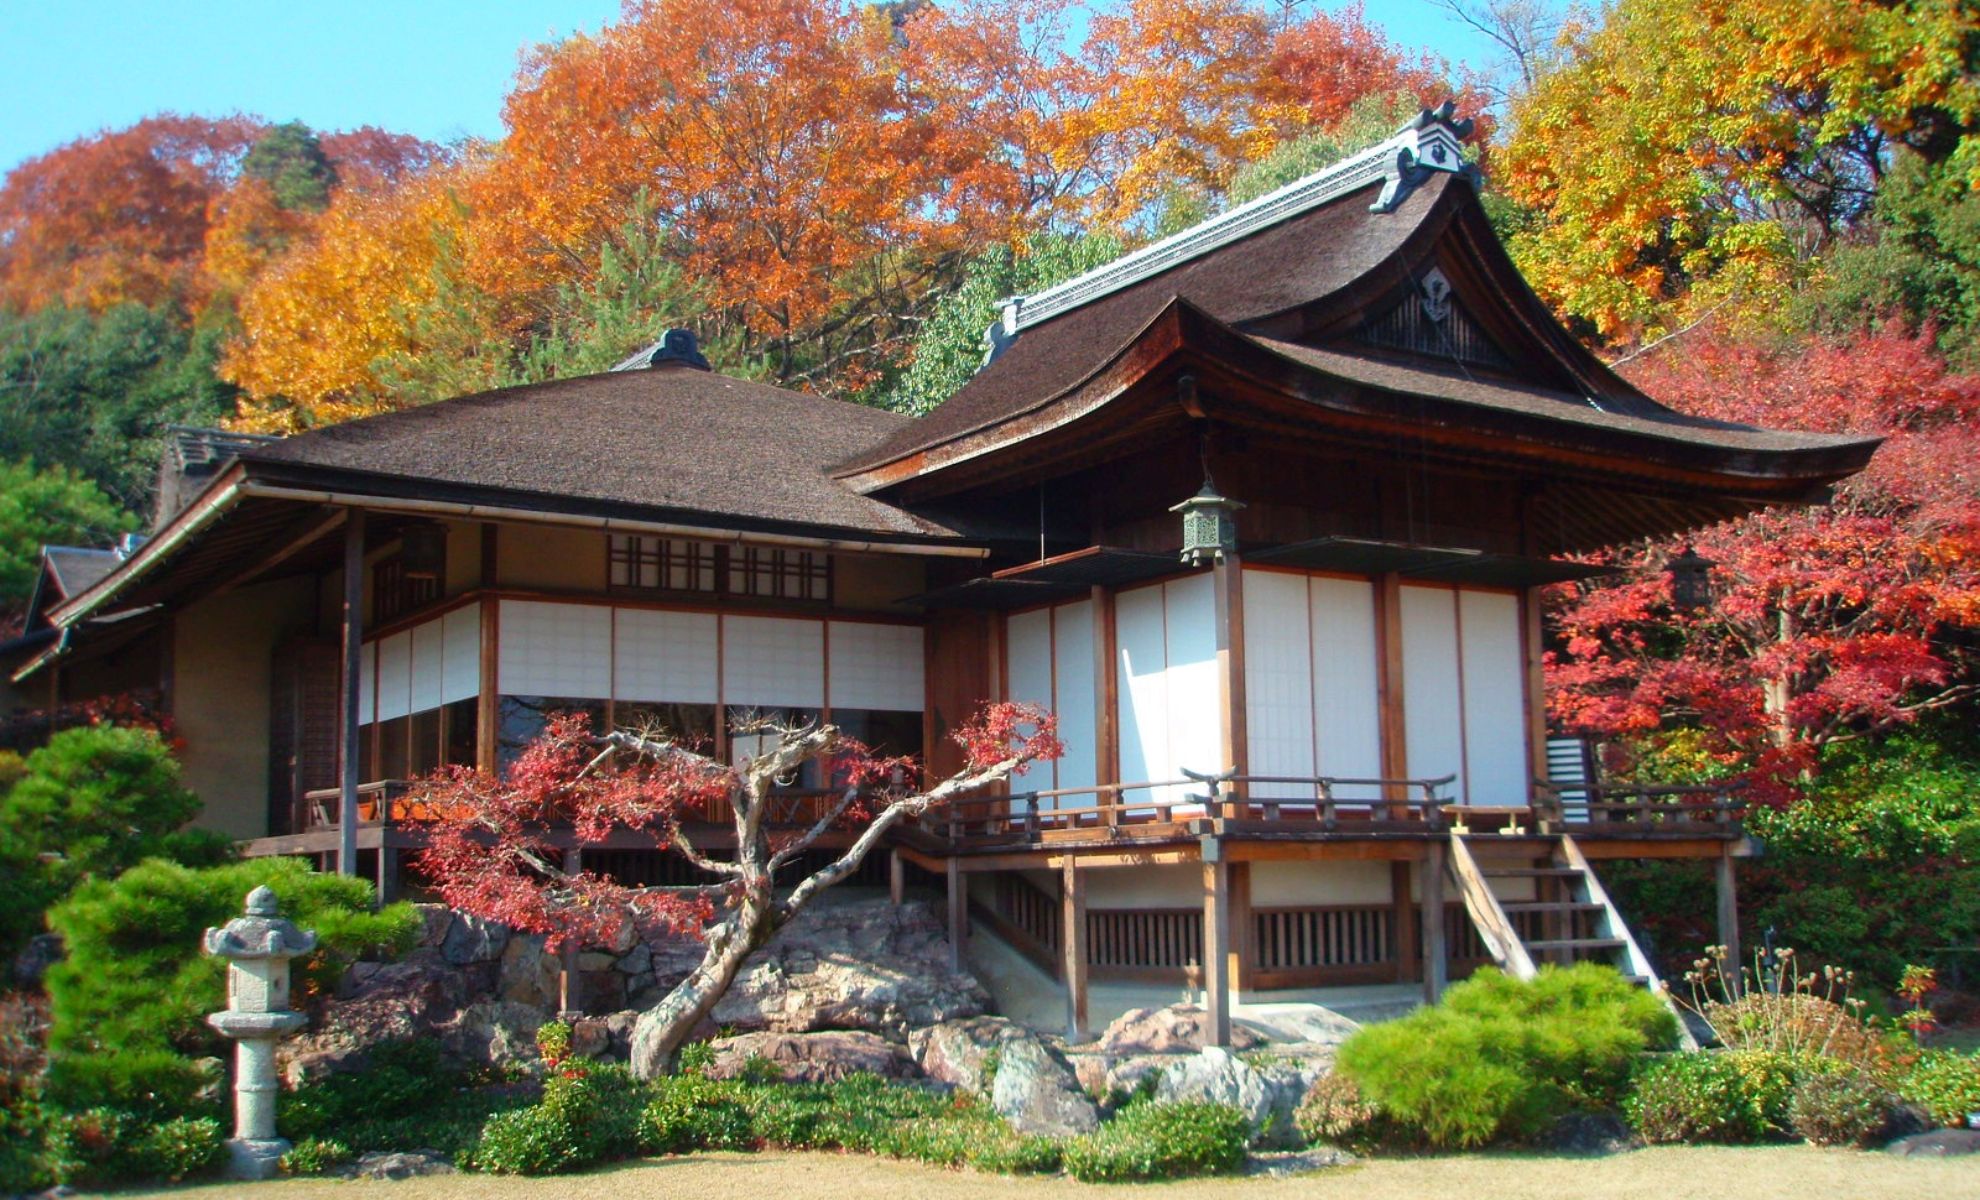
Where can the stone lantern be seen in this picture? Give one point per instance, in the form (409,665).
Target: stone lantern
(258,947)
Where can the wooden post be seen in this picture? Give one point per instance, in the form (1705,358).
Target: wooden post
(1402,920)
(896,877)
(488,703)
(1228,583)
(1243,932)
(1389,687)
(1106,703)
(1436,964)
(1216,944)
(388,856)
(1533,644)
(1722,873)
(570,998)
(958,915)
(347,730)
(1072,943)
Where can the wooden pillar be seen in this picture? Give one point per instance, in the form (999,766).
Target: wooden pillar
(1243,929)
(1436,962)
(488,705)
(1722,874)
(1106,703)
(1216,944)
(958,915)
(1389,685)
(1228,582)
(348,716)
(1402,920)
(1072,945)
(388,862)
(570,998)
(1533,643)
(896,877)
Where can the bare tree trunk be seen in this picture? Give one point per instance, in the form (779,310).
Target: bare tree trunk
(664,1028)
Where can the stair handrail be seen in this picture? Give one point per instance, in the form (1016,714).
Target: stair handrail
(1613,926)
(1491,921)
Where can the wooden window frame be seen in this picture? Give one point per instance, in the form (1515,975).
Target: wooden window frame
(748,572)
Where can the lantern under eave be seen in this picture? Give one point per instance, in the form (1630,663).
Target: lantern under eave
(1209,526)
(1691,580)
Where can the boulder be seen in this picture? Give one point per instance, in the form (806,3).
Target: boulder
(850,962)
(390,1002)
(434,922)
(813,1057)
(960,1052)
(1177,1029)
(472,940)
(1267,1094)
(498,1033)
(1940,1143)
(42,951)
(1589,1133)
(398,1164)
(1037,1093)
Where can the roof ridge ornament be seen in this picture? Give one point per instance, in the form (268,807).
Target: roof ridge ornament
(1430,142)
(677,345)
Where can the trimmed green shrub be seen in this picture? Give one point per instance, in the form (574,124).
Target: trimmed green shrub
(315,1156)
(1945,1084)
(102,1147)
(1501,1059)
(585,1118)
(1734,1096)
(92,803)
(129,1001)
(1839,1108)
(1161,1141)
(693,1113)
(407,1097)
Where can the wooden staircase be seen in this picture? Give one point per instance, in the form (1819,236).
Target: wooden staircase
(1577,919)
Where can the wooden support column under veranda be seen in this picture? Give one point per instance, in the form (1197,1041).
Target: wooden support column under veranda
(570,991)
(1436,960)
(896,877)
(1402,920)
(958,914)
(1728,896)
(352,622)
(1072,944)
(1216,943)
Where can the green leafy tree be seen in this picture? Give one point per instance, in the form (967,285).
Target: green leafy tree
(94,392)
(39,507)
(90,804)
(951,343)
(291,161)
(1369,120)
(130,998)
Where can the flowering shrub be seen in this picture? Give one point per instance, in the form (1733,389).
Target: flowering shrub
(1335,1112)
(1839,1108)
(1734,1096)
(1945,1084)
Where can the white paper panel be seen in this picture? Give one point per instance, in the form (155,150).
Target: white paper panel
(1278,680)
(665,656)
(428,659)
(394,676)
(1144,694)
(876,666)
(1494,699)
(1028,659)
(773,662)
(1431,705)
(560,650)
(1346,684)
(368,683)
(1196,727)
(1072,641)
(460,671)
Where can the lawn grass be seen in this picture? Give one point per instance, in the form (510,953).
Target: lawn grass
(1661,1173)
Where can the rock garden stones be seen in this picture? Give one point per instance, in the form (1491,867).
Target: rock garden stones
(1036,1092)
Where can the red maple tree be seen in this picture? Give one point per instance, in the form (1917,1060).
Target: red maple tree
(495,846)
(1828,623)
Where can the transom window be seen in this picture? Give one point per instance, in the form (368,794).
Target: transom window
(637,562)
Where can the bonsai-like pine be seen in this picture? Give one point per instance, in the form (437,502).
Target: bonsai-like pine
(495,844)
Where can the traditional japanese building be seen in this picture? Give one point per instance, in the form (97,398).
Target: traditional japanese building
(1269,501)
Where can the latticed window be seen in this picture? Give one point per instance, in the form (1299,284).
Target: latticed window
(657,563)
(782,574)
(394,592)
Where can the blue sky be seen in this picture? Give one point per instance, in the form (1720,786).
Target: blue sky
(435,68)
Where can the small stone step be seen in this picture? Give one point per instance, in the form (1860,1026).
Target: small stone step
(1578,944)
(1531,873)
(1547,906)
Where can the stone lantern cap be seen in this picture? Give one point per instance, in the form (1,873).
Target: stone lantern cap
(261,933)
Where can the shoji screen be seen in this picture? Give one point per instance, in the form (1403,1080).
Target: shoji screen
(429,656)
(394,676)
(875,666)
(1347,699)
(1312,700)
(460,668)
(1433,711)
(772,662)
(1051,665)
(556,650)
(1167,642)
(664,657)
(1494,699)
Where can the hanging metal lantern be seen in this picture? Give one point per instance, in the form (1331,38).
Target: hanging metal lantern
(423,550)
(1691,580)
(1209,526)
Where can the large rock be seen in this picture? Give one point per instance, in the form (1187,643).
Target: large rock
(963,1053)
(1268,1095)
(1940,1143)
(1037,1092)
(499,1033)
(814,1057)
(398,1164)
(390,1002)
(844,963)
(1177,1029)
(472,940)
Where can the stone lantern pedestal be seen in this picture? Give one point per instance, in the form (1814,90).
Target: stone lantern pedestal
(258,947)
